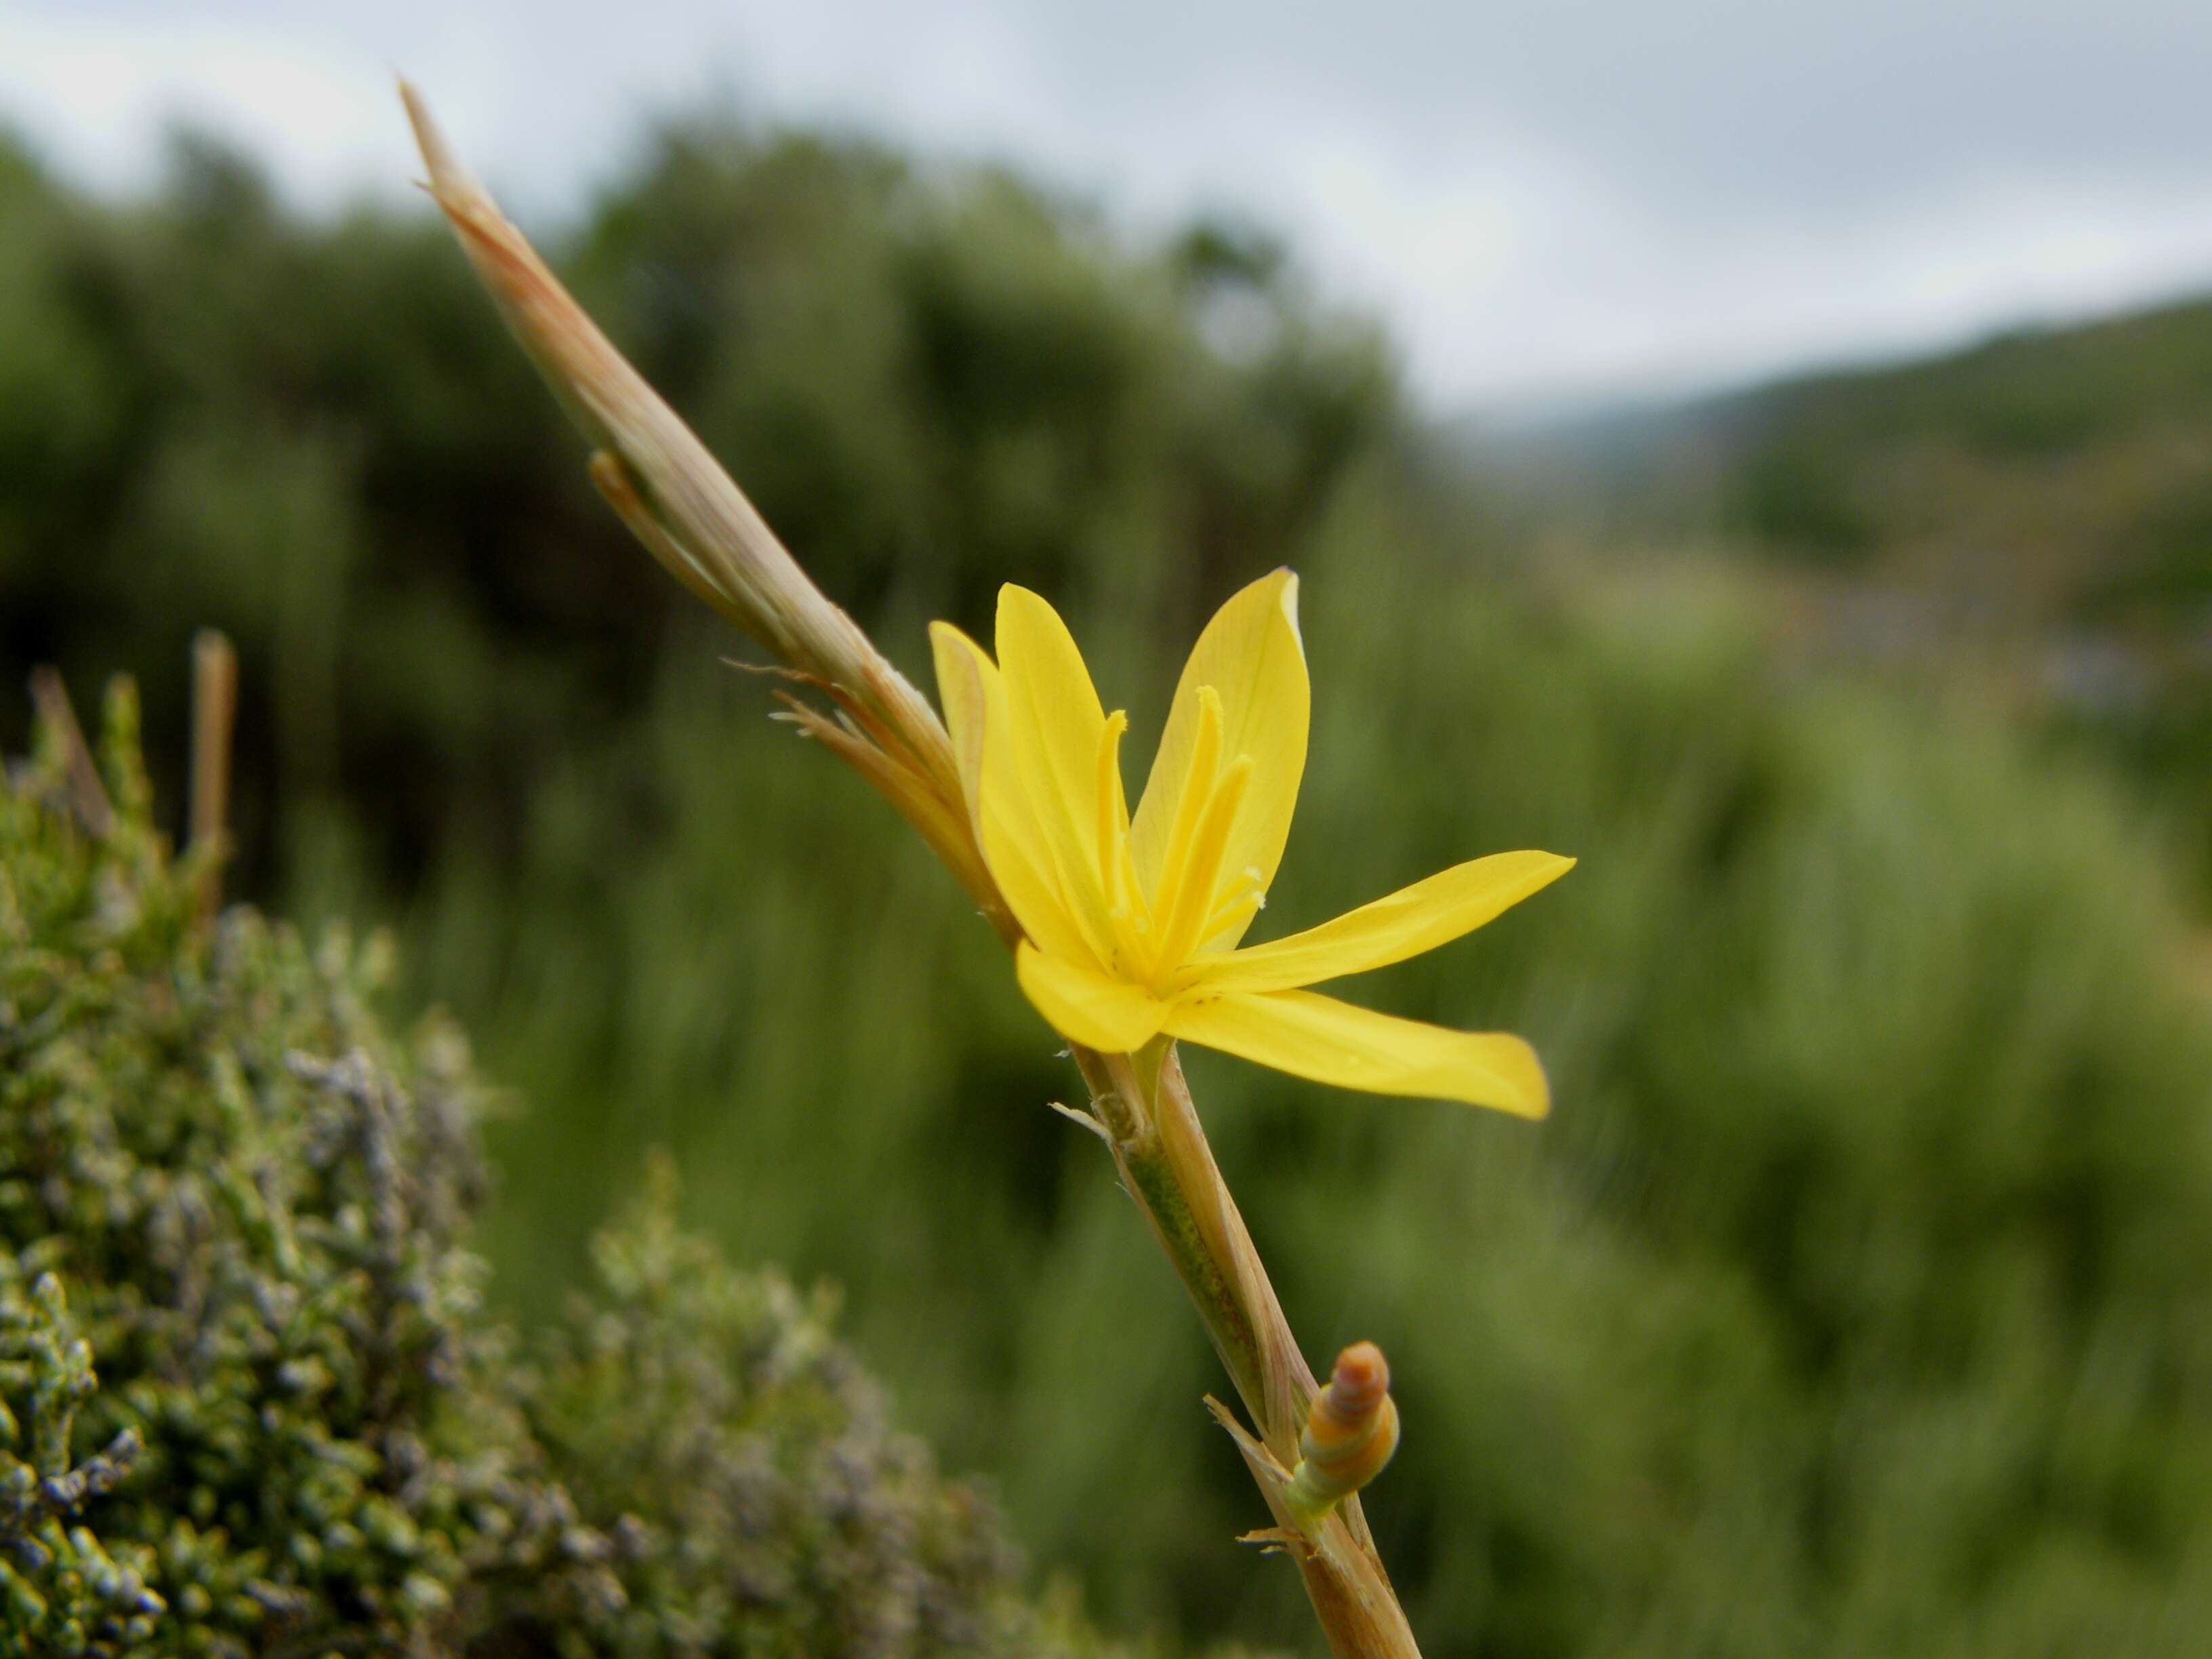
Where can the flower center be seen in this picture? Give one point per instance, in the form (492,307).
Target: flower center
(1155,933)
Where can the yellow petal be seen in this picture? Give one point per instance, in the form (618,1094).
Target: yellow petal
(1057,726)
(1331,1042)
(974,694)
(960,668)
(1106,1014)
(1409,921)
(1055,707)
(1251,655)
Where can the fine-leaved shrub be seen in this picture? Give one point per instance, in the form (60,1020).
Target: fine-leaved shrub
(250,1404)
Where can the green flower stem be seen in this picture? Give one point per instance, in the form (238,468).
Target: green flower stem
(1118,1097)
(1142,1103)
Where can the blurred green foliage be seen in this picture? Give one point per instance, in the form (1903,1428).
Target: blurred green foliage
(1790,498)
(234,1259)
(1858,1297)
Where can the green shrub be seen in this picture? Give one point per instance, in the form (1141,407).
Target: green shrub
(234,1268)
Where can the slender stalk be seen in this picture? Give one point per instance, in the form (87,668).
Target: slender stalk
(1153,1180)
(214,708)
(1168,1169)
(693,517)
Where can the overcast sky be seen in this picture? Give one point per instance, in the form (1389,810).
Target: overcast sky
(1563,198)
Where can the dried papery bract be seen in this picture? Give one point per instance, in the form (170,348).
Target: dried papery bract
(215,710)
(695,519)
(677,499)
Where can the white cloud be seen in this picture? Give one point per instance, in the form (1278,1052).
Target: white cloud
(100,91)
(1557,195)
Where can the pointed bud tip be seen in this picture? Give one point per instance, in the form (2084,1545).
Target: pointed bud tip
(447,174)
(1291,603)
(1361,1371)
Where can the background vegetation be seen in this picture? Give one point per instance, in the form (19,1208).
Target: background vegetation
(1858,1298)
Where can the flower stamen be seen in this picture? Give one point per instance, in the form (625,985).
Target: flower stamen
(1194,900)
(1113,812)
(1197,791)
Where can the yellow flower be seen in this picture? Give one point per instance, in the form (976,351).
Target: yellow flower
(1133,923)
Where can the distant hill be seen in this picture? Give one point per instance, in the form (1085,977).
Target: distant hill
(2040,503)
(2089,447)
